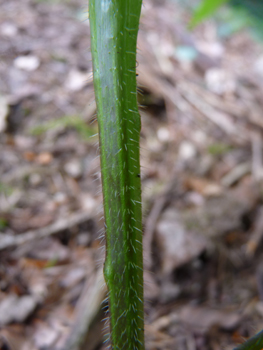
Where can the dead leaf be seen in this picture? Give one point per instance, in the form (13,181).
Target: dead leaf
(201,319)
(74,276)
(49,250)
(29,156)
(44,158)
(28,63)
(203,186)
(177,245)
(45,335)
(14,338)
(14,308)
(4,110)
(151,288)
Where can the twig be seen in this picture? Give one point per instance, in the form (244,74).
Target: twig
(151,222)
(236,174)
(256,235)
(88,307)
(7,241)
(218,118)
(150,227)
(256,142)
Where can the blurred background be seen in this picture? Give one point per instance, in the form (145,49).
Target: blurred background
(200,93)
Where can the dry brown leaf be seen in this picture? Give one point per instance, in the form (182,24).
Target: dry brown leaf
(29,156)
(16,309)
(15,338)
(44,158)
(177,245)
(151,288)
(203,186)
(202,319)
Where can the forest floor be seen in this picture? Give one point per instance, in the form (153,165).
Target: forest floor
(202,178)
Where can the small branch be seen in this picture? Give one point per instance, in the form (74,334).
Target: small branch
(256,235)
(257,167)
(7,241)
(153,217)
(88,307)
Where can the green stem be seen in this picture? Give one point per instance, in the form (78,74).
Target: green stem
(253,343)
(114,28)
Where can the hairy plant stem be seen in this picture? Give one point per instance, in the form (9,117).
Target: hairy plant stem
(253,343)
(114,28)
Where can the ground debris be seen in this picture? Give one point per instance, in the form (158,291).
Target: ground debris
(201,155)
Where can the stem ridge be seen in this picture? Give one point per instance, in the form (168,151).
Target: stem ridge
(114,27)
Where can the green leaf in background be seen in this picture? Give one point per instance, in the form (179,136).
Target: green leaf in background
(240,14)
(254,12)
(204,10)
(231,20)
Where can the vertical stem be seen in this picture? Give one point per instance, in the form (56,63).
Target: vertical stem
(114,28)
(253,343)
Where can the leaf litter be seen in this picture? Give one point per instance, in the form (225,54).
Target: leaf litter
(201,154)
